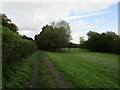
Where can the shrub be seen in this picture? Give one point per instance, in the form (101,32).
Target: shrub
(14,47)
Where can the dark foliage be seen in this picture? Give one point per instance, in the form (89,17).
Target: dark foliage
(14,47)
(105,42)
(6,22)
(27,38)
(54,37)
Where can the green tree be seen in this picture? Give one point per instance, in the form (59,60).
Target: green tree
(5,21)
(12,27)
(64,27)
(112,41)
(93,41)
(27,38)
(54,37)
(82,40)
(104,42)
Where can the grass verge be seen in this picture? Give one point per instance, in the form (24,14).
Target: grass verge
(21,75)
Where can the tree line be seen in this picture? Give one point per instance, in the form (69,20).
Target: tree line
(108,42)
(54,37)
(57,36)
(14,45)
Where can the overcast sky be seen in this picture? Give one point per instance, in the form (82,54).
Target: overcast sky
(90,15)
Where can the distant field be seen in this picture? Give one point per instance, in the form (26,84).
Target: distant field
(87,69)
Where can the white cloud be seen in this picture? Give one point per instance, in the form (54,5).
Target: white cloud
(81,25)
(24,32)
(27,32)
(80,28)
(0,6)
(59,0)
(100,20)
(33,14)
(88,15)
(101,30)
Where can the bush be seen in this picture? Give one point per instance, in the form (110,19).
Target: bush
(14,47)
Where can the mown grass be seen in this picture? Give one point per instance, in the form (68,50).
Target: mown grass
(22,73)
(45,78)
(86,69)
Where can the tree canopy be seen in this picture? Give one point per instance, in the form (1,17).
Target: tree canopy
(27,38)
(6,22)
(104,42)
(54,37)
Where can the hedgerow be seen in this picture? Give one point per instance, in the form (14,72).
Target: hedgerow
(14,47)
(14,51)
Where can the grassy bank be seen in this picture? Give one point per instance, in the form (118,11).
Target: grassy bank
(21,73)
(86,69)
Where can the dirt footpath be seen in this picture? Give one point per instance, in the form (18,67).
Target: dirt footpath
(55,74)
(34,80)
(58,79)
